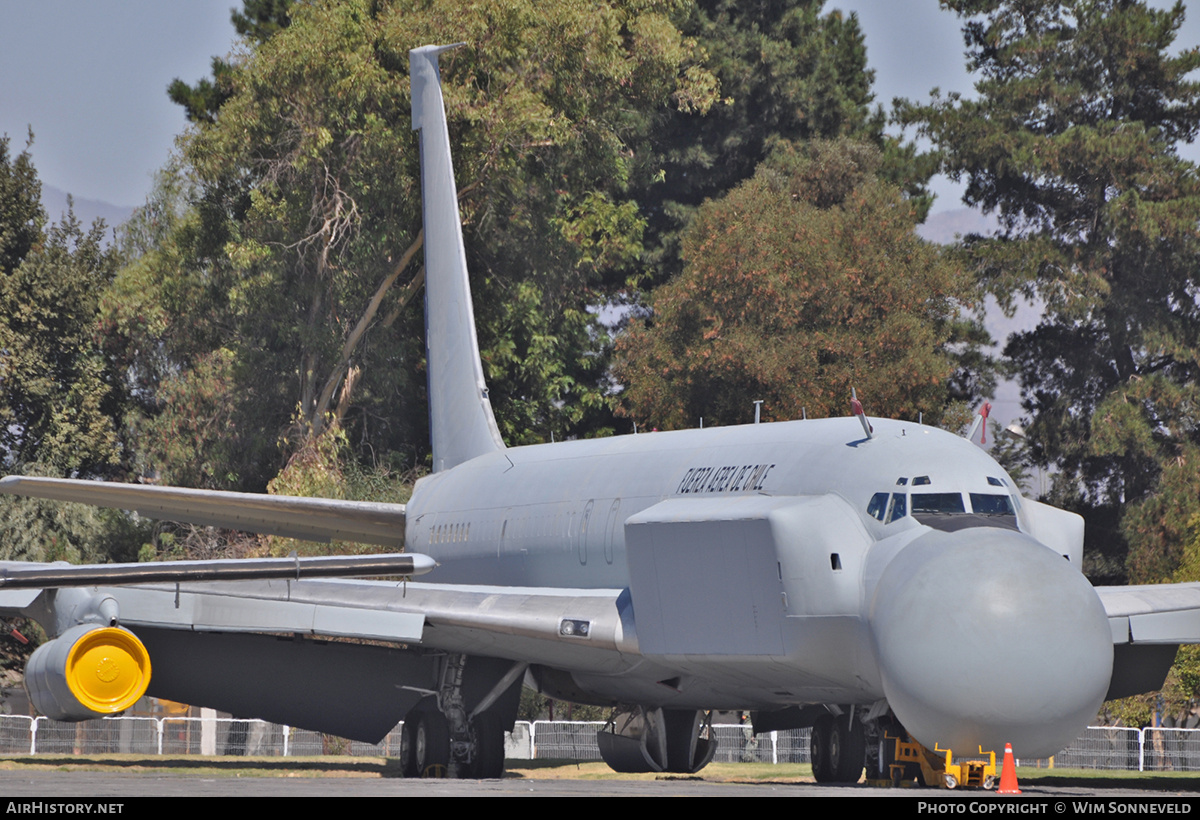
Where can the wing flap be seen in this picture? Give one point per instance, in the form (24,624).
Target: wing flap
(312,519)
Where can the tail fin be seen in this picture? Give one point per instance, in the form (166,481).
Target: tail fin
(461,424)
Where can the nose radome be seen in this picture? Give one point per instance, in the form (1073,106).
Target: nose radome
(986,637)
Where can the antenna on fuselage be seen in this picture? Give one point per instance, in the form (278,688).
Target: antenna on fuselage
(857,409)
(757,410)
(980,418)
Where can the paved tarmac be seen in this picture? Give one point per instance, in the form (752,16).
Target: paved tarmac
(105,786)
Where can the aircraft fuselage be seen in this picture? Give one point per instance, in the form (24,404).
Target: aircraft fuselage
(754,554)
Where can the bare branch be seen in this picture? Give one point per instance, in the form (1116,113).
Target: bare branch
(364,321)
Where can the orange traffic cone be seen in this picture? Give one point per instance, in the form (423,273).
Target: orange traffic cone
(1008,778)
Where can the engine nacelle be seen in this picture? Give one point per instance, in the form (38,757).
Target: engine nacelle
(89,671)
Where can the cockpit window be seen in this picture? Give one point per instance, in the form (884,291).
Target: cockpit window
(899,507)
(987,504)
(937,503)
(878,505)
(946,511)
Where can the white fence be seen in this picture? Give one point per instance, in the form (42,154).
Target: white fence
(1097,748)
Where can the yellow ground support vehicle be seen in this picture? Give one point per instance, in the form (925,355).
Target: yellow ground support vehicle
(906,760)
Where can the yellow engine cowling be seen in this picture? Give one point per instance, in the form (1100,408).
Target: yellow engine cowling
(87,672)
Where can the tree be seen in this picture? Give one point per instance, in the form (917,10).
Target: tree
(282,291)
(62,398)
(258,22)
(786,71)
(804,282)
(21,215)
(1071,139)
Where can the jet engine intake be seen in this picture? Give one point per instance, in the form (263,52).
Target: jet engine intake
(89,671)
(657,740)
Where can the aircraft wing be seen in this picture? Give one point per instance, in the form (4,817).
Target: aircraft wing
(310,519)
(262,648)
(1153,613)
(534,624)
(1148,625)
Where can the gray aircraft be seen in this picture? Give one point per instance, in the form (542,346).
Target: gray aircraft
(863,577)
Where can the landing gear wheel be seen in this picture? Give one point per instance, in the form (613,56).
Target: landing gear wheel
(847,749)
(408,742)
(489,747)
(877,759)
(431,745)
(820,748)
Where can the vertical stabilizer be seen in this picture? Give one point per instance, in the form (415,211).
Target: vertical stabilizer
(461,424)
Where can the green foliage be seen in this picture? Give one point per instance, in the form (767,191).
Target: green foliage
(60,398)
(1136,711)
(1012,453)
(36,530)
(537,362)
(323,467)
(279,248)
(1071,140)
(21,214)
(786,71)
(805,281)
(260,20)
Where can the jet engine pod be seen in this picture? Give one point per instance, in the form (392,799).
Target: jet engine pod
(87,672)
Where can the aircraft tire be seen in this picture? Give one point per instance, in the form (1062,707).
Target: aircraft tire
(820,748)
(848,750)
(408,742)
(489,747)
(431,744)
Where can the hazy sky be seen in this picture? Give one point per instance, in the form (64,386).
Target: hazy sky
(90,78)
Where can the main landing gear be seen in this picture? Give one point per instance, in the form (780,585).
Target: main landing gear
(837,748)
(442,738)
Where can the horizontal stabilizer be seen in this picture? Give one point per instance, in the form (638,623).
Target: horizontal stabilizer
(42,576)
(311,519)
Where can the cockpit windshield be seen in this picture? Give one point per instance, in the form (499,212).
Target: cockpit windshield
(945,510)
(990,504)
(948,503)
